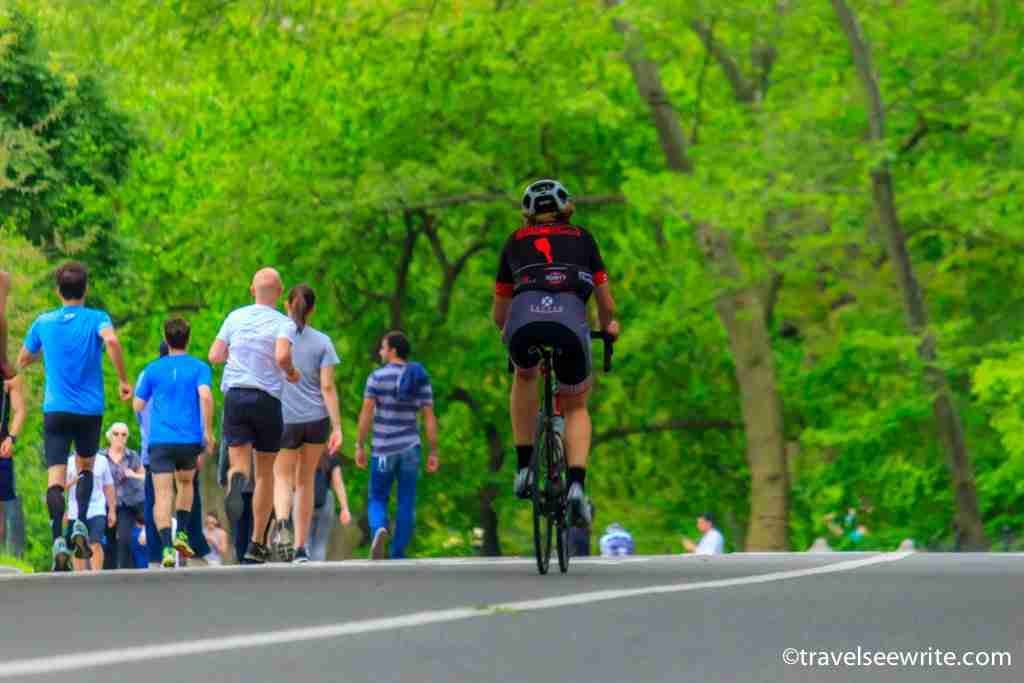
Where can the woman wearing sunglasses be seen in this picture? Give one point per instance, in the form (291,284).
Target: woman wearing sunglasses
(129,480)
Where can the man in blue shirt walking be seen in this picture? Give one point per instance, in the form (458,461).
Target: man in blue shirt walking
(71,341)
(180,424)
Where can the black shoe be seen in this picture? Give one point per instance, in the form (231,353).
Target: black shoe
(523,486)
(256,554)
(301,556)
(234,506)
(579,506)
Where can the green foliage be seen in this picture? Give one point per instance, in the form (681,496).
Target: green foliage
(375,150)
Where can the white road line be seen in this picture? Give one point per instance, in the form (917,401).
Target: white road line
(139,653)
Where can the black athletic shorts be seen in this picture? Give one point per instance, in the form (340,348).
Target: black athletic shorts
(559,320)
(165,458)
(298,433)
(60,430)
(252,416)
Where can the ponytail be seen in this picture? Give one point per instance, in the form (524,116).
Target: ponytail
(300,302)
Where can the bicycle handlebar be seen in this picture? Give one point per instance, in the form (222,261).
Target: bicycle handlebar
(609,347)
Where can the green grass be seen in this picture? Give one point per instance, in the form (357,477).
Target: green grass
(9,561)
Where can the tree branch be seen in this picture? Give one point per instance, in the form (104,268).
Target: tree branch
(741,87)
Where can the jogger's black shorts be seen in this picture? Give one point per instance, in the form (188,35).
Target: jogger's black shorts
(60,430)
(298,433)
(252,416)
(165,458)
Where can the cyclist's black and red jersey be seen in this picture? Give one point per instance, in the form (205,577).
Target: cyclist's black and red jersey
(555,258)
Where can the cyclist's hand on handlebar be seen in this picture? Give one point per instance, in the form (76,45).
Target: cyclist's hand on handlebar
(613,329)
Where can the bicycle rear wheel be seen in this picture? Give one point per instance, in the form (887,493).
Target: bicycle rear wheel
(542,518)
(559,507)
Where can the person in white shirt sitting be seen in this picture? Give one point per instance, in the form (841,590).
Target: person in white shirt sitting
(711,542)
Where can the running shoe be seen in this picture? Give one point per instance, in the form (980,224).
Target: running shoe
(301,556)
(182,546)
(61,556)
(379,547)
(170,557)
(284,548)
(80,539)
(233,503)
(256,554)
(579,506)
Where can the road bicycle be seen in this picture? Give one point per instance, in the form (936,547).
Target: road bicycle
(549,469)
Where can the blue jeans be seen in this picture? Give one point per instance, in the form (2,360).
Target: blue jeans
(405,467)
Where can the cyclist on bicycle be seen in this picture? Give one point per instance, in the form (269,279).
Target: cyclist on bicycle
(547,272)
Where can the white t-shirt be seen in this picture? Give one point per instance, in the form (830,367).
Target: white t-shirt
(101,477)
(711,543)
(251,333)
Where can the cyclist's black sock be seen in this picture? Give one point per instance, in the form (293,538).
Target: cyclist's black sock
(578,475)
(55,505)
(183,518)
(165,536)
(523,456)
(83,494)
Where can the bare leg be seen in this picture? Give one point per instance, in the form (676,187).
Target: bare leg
(577,428)
(524,406)
(308,460)
(239,460)
(183,500)
(263,495)
(163,487)
(97,557)
(284,482)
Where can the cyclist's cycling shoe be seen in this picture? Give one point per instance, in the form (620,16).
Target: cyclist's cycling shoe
(170,558)
(301,556)
(524,483)
(579,506)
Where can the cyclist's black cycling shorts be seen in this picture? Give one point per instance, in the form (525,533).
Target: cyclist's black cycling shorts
(559,320)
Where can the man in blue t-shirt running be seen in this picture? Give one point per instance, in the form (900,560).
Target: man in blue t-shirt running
(71,340)
(180,427)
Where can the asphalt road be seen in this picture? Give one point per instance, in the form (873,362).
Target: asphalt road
(731,618)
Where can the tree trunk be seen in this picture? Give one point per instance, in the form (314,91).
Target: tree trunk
(742,313)
(947,419)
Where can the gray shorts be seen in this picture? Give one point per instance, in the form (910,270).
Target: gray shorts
(559,320)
